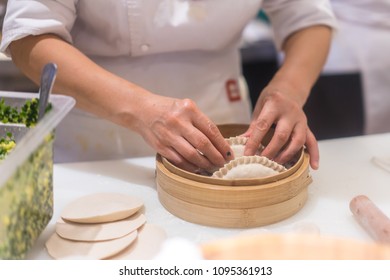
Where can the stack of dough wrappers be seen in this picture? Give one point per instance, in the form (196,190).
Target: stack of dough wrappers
(105,226)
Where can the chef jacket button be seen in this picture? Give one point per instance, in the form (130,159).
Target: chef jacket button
(145,47)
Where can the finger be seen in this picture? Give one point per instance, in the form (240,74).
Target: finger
(279,139)
(196,153)
(313,150)
(180,152)
(210,141)
(258,130)
(295,144)
(248,132)
(176,159)
(205,148)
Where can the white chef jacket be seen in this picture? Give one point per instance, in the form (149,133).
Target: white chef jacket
(362,44)
(176,48)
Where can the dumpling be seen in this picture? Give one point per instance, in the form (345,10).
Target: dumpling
(238,145)
(249,167)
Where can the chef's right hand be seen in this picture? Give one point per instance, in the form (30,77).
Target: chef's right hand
(181,133)
(175,128)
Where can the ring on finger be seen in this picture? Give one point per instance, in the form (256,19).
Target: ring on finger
(199,152)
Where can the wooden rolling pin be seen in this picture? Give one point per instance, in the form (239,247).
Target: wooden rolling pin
(371,218)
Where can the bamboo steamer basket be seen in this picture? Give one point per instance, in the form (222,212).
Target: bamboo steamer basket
(240,203)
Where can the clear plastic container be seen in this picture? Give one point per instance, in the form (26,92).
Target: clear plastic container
(26,176)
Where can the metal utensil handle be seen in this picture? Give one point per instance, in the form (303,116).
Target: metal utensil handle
(47,81)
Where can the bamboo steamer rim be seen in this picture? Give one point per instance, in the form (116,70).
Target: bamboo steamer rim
(226,184)
(231,130)
(229,182)
(237,197)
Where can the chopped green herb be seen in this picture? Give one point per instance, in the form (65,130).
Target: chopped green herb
(26,198)
(6,145)
(26,202)
(27,114)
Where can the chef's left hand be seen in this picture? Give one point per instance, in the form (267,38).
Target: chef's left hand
(279,107)
(281,102)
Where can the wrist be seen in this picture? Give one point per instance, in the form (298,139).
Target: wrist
(291,86)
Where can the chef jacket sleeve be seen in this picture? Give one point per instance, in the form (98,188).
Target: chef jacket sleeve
(289,16)
(26,17)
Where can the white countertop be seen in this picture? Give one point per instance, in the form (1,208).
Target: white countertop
(345,171)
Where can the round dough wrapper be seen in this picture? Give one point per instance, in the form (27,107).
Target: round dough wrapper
(60,248)
(101,231)
(148,244)
(101,208)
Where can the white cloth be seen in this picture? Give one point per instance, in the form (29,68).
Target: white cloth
(177,48)
(361,44)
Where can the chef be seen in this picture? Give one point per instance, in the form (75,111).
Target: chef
(158,76)
(361,45)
